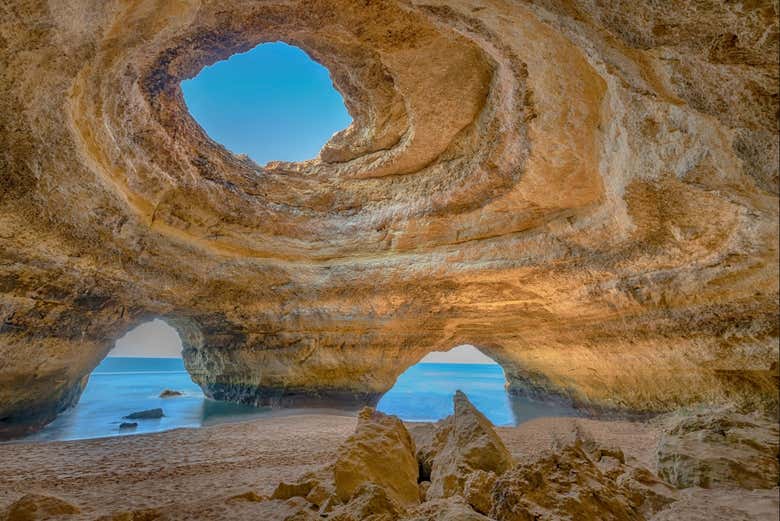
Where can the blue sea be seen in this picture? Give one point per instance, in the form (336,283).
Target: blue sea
(120,386)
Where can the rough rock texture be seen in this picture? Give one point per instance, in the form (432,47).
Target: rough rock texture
(380,452)
(577,484)
(721,449)
(464,443)
(34,507)
(586,190)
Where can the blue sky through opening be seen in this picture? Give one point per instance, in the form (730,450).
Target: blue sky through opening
(271,103)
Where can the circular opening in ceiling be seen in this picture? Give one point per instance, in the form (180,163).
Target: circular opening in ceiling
(272,103)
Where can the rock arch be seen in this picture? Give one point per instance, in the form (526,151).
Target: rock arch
(570,182)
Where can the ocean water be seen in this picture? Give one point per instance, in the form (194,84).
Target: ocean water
(424,393)
(120,386)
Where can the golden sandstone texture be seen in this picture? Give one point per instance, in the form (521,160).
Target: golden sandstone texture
(587,190)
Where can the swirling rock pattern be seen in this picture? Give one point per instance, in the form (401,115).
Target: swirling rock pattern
(586,190)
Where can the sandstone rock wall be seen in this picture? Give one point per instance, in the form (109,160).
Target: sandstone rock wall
(587,190)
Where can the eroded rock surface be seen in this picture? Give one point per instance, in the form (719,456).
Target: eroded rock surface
(465,443)
(585,190)
(36,507)
(720,449)
(580,484)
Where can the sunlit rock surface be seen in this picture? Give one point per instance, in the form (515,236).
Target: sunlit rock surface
(587,191)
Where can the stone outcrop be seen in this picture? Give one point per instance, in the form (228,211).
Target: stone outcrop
(380,452)
(720,449)
(465,443)
(149,414)
(578,484)
(35,507)
(587,191)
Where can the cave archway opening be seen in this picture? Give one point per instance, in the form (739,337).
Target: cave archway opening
(424,391)
(142,373)
(271,103)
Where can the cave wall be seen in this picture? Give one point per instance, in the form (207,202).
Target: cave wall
(587,190)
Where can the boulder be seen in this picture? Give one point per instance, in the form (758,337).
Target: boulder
(170,393)
(380,452)
(450,509)
(571,484)
(127,426)
(478,490)
(369,503)
(464,443)
(148,414)
(720,449)
(33,507)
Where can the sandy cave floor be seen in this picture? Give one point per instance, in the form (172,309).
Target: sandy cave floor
(186,466)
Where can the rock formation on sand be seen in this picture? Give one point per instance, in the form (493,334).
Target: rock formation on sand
(587,191)
(581,480)
(34,507)
(723,449)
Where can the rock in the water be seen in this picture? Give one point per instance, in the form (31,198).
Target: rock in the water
(464,443)
(380,452)
(571,485)
(170,393)
(720,450)
(34,507)
(126,426)
(148,414)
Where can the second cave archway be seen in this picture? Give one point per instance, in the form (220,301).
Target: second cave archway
(424,391)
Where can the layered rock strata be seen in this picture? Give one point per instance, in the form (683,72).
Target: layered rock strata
(587,191)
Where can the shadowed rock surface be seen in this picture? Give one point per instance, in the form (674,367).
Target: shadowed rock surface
(464,443)
(587,191)
(36,507)
(723,449)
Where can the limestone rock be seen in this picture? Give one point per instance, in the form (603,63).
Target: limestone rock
(478,490)
(144,514)
(466,443)
(571,485)
(170,393)
(149,414)
(298,489)
(697,504)
(586,190)
(250,496)
(720,449)
(379,452)
(426,445)
(34,507)
(369,503)
(450,509)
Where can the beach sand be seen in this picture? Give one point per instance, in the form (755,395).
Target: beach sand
(191,470)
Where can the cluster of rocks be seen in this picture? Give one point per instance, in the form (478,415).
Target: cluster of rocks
(459,469)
